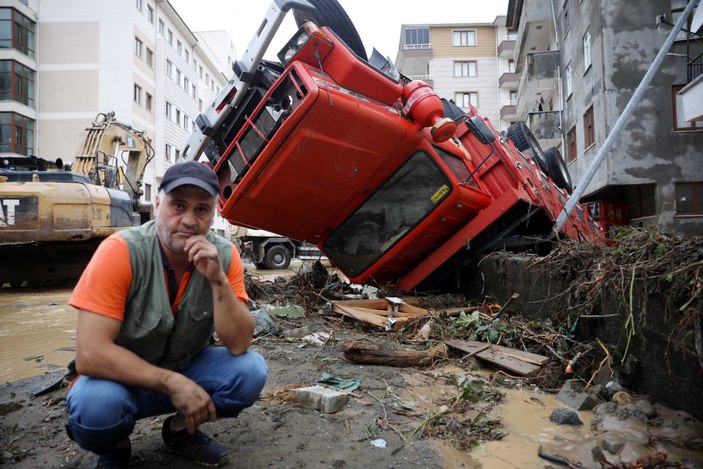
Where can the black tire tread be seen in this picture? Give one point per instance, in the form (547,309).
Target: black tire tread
(523,139)
(268,262)
(558,170)
(330,13)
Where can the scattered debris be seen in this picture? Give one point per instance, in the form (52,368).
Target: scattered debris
(51,382)
(390,313)
(573,395)
(378,443)
(517,361)
(291,311)
(370,354)
(321,398)
(338,383)
(264,325)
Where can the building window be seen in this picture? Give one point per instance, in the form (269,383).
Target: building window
(568,80)
(186,56)
(138,5)
(149,102)
(161,27)
(464,38)
(186,84)
(193,92)
(586,51)
(589,133)
(169,69)
(417,38)
(138,47)
(16,83)
(137,94)
(689,198)
(147,192)
(463,99)
(170,37)
(17,32)
(178,77)
(150,57)
(150,14)
(179,47)
(186,122)
(178,116)
(680,122)
(169,111)
(167,152)
(511,66)
(571,152)
(178,155)
(513,97)
(465,69)
(200,69)
(16,134)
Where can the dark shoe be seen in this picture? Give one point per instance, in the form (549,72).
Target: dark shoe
(199,447)
(115,459)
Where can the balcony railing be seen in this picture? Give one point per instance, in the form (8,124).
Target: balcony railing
(416,46)
(695,68)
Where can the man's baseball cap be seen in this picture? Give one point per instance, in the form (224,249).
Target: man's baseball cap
(190,173)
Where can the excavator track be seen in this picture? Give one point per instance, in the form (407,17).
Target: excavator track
(44,263)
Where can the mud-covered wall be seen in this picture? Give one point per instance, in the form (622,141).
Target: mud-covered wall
(624,42)
(661,364)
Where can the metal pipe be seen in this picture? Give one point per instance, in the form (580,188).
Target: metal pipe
(620,123)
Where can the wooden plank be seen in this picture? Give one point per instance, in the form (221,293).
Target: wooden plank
(372,318)
(503,357)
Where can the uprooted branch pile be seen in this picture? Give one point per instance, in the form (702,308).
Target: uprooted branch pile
(639,266)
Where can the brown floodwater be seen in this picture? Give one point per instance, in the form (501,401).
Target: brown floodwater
(37,332)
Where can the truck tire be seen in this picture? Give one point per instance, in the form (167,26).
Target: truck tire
(558,170)
(277,257)
(330,13)
(525,141)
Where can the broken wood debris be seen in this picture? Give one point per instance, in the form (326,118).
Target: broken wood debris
(389,313)
(513,360)
(371,354)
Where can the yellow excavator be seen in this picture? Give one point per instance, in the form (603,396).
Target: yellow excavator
(53,216)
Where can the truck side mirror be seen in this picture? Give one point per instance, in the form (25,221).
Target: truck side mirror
(480,130)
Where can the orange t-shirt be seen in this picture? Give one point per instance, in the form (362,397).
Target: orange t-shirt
(106,281)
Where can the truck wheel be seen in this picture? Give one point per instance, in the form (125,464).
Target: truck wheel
(558,170)
(277,257)
(525,141)
(331,14)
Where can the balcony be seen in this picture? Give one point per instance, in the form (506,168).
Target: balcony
(414,59)
(508,111)
(506,48)
(541,75)
(509,80)
(545,126)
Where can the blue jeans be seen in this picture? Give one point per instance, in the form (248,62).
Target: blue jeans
(101,413)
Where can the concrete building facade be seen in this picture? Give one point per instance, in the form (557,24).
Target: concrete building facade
(469,63)
(79,58)
(579,63)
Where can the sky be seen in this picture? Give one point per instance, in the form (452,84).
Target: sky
(377,21)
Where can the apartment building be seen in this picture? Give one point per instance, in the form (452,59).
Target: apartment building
(469,63)
(66,61)
(579,63)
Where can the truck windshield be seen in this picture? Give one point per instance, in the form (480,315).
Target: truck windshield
(402,202)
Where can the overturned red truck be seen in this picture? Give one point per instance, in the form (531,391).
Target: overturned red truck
(392,183)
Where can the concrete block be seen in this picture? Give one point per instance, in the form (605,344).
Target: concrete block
(321,398)
(296,333)
(573,395)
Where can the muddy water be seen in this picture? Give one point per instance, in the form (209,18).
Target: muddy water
(37,332)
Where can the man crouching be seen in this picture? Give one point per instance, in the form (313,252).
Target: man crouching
(149,302)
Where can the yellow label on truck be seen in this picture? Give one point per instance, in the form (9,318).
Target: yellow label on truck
(441,192)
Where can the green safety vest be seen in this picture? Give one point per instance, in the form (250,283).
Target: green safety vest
(149,329)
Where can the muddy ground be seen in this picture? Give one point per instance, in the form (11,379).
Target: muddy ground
(417,413)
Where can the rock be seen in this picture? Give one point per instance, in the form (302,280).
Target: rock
(647,408)
(9,406)
(630,410)
(573,395)
(622,398)
(321,398)
(291,311)
(564,416)
(613,447)
(612,387)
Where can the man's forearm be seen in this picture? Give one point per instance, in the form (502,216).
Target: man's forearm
(233,321)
